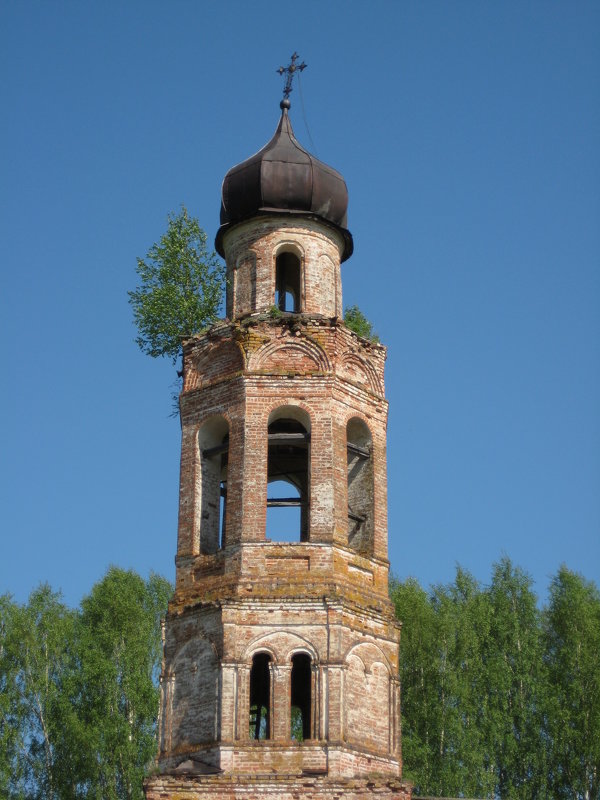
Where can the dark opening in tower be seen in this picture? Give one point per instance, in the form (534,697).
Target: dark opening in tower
(301,697)
(287,282)
(288,481)
(360,486)
(260,697)
(213,439)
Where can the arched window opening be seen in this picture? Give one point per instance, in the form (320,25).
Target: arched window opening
(287,282)
(360,487)
(288,481)
(260,697)
(214,449)
(301,697)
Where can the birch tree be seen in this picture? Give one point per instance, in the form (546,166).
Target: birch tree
(572,660)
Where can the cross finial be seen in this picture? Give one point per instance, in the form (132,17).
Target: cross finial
(289,73)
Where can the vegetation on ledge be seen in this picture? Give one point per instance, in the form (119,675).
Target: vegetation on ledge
(359,324)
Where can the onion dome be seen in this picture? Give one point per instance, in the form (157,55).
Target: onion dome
(283,178)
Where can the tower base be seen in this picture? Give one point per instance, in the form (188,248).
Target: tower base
(269,787)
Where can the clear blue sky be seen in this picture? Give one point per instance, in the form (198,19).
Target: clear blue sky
(469,137)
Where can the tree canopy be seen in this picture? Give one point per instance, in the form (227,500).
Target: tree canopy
(78,690)
(181,288)
(501,698)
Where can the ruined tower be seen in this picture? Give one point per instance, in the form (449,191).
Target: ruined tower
(280,673)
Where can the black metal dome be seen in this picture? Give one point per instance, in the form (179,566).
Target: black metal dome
(283,178)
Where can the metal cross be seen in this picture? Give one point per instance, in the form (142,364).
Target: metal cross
(290,70)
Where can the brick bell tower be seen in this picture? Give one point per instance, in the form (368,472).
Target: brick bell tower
(280,673)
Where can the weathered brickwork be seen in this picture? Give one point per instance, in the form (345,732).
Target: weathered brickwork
(353,654)
(262,629)
(252,248)
(289,787)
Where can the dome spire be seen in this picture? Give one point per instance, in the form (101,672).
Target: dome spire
(289,73)
(284,179)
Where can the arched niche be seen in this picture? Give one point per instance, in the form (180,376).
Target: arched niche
(195,686)
(288,475)
(367,675)
(261,701)
(241,286)
(288,279)
(359,445)
(301,697)
(213,443)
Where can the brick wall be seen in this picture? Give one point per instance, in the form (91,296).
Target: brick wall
(251,249)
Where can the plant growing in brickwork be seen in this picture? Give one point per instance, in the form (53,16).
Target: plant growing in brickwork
(358,323)
(181,288)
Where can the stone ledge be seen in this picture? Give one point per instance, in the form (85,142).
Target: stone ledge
(282,787)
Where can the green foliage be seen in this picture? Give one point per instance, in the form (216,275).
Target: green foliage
(443,676)
(462,623)
(357,322)
(516,686)
(297,725)
(11,727)
(500,699)
(78,690)
(37,647)
(418,670)
(572,658)
(181,288)
(120,649)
